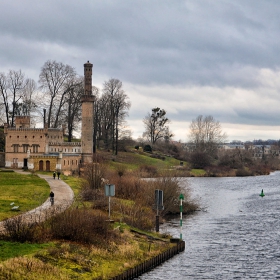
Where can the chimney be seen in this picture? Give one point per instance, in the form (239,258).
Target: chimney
(44,120)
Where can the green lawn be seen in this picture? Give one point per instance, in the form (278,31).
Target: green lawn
(24,190)
(198,172)
(14,249)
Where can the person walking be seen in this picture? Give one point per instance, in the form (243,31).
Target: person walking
(58,174)
(52,198)
(54,174)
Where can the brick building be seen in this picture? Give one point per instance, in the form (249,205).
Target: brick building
(44,148)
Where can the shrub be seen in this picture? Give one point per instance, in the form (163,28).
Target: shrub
(81,225)
(260,169)
(128,187)
(88,194)
(243,172)
(151,171)
(134,214)
(17,229)
(147,148)
(217,171)
(171,192)
(93,173)
(200,160)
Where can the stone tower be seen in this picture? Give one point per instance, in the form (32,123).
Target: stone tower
(87,116)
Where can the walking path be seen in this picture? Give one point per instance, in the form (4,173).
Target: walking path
(63,198)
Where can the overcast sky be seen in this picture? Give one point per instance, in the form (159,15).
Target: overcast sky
(195,57)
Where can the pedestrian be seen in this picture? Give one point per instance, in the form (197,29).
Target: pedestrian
(58,174)
(52,198)
(54,174)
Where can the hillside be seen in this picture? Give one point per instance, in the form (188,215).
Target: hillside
(138,161)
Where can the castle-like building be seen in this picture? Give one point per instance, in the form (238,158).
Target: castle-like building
(44,148)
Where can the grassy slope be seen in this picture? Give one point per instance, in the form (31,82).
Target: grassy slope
(77,261)
(133,160)
(27,191)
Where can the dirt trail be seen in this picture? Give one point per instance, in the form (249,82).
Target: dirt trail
(63,198)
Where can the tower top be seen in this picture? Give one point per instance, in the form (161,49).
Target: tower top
(87,96)
(88,64)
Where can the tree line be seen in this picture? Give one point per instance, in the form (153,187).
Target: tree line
(57,101)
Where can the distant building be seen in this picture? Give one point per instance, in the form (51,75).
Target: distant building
(44,148)
(232,146)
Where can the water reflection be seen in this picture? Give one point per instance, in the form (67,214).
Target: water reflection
(236,237)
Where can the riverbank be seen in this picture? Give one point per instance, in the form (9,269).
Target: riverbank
(131,254)
(121,251)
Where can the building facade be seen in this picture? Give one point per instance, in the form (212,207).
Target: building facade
(44,148)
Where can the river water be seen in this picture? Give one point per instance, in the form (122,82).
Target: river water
(235,236)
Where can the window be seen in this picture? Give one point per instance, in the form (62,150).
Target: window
(25,148)
(35,148)
(16,148)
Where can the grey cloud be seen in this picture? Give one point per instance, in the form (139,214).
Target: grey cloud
(174,45)
(156,41)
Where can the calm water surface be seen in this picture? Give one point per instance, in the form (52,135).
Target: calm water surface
(236,237)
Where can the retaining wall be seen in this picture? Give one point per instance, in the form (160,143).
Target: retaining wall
(146,266)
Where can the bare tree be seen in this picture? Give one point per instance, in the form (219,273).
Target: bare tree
(102,120)
(28,97)
(156,126)
(206,135)
(71,109)
(12,88)
(5,96)
(116,105)
(54,79)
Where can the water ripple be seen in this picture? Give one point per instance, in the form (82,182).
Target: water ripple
(236,238)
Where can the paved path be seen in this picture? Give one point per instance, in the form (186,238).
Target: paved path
(63,198)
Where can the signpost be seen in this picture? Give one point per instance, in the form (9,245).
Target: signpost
(110,191)
(159,205)
(181,197)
